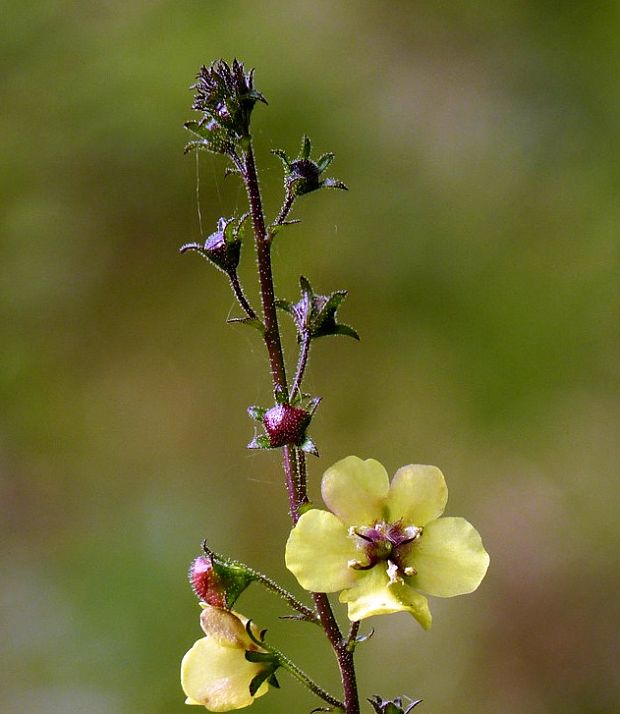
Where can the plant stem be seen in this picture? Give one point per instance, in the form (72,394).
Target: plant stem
(240,295)
(296,492)
(289,200)
(291,667)
(301,363)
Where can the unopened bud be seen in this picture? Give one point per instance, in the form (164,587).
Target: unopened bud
(206,583)
(285,424)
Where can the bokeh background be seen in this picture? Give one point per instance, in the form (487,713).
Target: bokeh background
(479,243)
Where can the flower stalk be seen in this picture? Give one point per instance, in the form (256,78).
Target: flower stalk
(295,487)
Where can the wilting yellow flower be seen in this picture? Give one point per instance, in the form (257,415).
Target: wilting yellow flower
(215,673)
(383,542)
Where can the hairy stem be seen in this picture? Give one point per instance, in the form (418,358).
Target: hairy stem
(301,363)
(289,200)
(240,295)
(297,495)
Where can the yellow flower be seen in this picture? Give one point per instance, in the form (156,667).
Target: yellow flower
(383,542)
(215,672)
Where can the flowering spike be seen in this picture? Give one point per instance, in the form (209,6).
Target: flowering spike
(225,96)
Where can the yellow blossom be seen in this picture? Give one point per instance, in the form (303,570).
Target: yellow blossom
(215,672)
(382,543)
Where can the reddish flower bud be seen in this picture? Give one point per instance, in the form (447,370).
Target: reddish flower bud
(206,583)
(285,424)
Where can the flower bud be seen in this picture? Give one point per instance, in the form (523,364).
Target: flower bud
(218,582)
(225,95)
(285,424)
(205,582)
(303,175)
(223,246)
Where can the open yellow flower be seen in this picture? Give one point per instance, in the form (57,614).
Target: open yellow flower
(215,672)
(383,542)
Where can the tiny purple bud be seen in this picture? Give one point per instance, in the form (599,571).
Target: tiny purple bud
(205,582)
(285,424)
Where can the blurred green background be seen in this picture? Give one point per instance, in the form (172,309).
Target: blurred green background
(479,243)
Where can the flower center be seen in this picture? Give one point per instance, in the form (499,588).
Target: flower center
(386,542)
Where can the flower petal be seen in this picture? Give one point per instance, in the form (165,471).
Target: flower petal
(318,551)
(225,627)
(418,494)
(218,678)
(449,557)
(375,595)
(355,490)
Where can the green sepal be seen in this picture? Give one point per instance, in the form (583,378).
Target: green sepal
(302,174)
(280,395)
(285,305)
(324,161)
(256,413)
(346,330)
(260,442)
(200,130)
(312,405)
(309,446)
(195,146)
(253,656)
(393,706)
(273,680)
(283,158)
(306,147)
(259,678)
(249,321)
(315,315)
(334,183)
(234,579)
(304,508)
(212,137)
